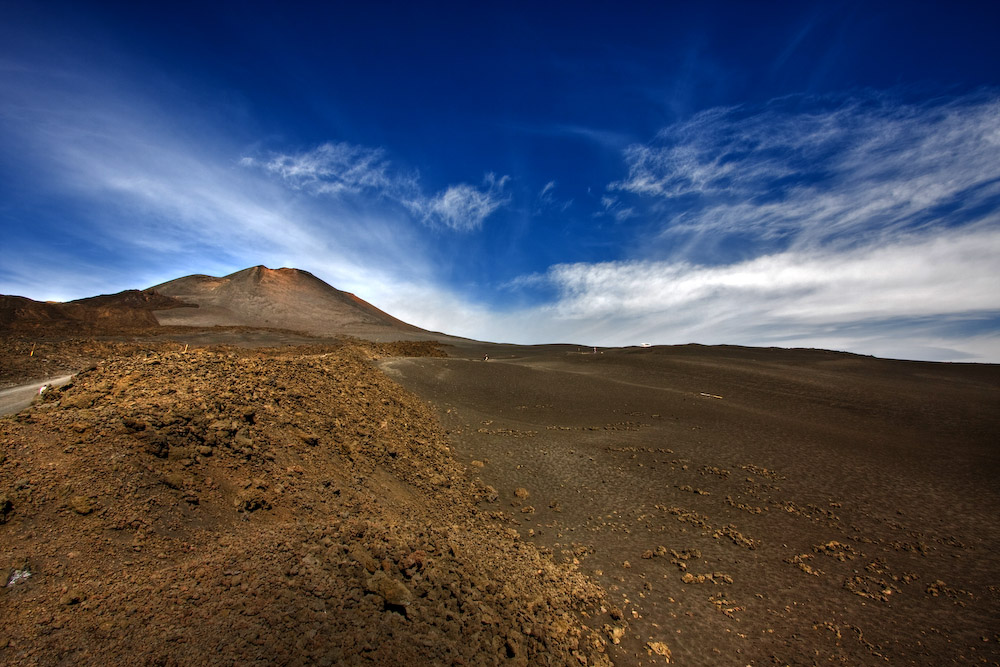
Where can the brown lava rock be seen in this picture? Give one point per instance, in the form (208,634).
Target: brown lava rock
(271,506)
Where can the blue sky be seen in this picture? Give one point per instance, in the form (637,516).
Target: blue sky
(787,173)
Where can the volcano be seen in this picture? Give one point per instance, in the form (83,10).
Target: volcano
(279,298)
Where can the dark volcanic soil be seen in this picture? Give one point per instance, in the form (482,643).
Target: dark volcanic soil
(748,506)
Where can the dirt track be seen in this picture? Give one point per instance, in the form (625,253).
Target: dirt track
(17,398)
(748,506)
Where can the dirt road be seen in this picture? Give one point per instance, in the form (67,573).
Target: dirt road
(17,398)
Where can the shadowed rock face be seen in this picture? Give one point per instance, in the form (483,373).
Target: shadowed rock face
(281,298)
(125,310)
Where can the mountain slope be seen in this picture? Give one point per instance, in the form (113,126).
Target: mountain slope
(125,310)
(280,298)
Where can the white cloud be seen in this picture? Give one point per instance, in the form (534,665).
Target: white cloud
(342,169)
(335,169)
(891,252)
(813,172)
(615,208)
(930,276)
(864,225)
(547,199)
(906,300)
(464,207)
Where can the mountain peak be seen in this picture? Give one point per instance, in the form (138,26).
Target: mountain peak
(285,298)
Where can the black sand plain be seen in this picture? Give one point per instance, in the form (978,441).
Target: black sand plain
(744,505)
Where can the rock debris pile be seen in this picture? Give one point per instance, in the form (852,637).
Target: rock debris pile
(284,506)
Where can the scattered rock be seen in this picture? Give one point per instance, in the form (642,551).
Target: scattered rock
(838,550)
(714,578)
(800,562)
(615,633)
(251,501)
(659,648)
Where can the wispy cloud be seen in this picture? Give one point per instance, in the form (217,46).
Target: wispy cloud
(337,168)
(156,194)
(811,172)
(858,223)
(613,206)
(605,138)
(464,207)
(546,199)
(864,223)
(342,169)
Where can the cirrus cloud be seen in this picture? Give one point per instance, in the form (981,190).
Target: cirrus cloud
(809,172)
(342,170)
(464,207)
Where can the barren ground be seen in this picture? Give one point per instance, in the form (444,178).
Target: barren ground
(188,502)
(220,505)
(748,506)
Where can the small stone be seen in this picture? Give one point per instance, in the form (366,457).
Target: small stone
(521,493)
(174,480)
(392,591)
(81,505)
(659,648)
